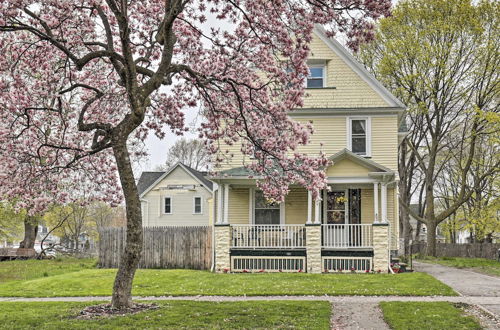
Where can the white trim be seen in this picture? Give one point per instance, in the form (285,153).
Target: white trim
(194,205)
(218,218)
(375,202)
(309,207)
(323,66)
(344,180)
(325,206)
(171,205)
(226,204)
(251,211)
(282,211)
(337,48)
(383,201)
(368,132)
(317,208)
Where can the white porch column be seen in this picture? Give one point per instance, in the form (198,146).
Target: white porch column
(226,204)
(219,204)
(384,202)
(309,207)
(375,202)
(317,211)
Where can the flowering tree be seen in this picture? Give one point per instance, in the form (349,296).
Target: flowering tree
(81,78)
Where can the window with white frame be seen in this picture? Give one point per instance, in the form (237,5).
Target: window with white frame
(167,205)
(265,213)
(197,207)
(359,136)
(316,77)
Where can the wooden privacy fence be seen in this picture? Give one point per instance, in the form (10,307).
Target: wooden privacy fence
(474,250)
(163,247)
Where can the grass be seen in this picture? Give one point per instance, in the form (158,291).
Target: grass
(174,315)
(426,315)
(152,282)
(486,266)
(22,270)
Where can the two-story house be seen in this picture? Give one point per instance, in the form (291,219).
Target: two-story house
(354,225)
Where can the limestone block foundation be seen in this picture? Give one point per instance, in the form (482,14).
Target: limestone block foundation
(313,248)
(222,248)
(381,247)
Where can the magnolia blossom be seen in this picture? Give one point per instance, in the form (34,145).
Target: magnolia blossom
(78,76)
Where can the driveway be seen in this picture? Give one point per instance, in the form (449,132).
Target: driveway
(465,282)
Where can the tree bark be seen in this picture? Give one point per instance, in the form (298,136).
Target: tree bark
(30,232)
(431,238)
(122,289)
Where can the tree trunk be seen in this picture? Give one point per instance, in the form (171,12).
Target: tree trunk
(122,289)
(431,238)
(30,232)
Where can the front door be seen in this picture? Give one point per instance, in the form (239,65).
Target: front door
(337,214)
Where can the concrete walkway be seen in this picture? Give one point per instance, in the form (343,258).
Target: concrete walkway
(467,283)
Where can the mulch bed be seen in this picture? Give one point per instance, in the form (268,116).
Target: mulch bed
(106,310)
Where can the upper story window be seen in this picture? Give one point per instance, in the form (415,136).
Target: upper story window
(167,205)
(359,136)
(197,208)
(316,78)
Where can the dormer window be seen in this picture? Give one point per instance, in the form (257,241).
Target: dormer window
(316,77)
(359,136)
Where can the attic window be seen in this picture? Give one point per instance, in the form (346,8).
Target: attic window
(316,77)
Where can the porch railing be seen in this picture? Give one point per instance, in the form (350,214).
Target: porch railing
(268,236)
(347,236)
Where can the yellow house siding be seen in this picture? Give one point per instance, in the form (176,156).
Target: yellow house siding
(347,167)
(296,206)
(329,131)
(238,206)
(350,89)
(385,141)
(367,206)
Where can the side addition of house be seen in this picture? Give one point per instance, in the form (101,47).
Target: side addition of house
(353,226)
(181,196)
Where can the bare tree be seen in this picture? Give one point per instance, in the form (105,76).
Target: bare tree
(190,152)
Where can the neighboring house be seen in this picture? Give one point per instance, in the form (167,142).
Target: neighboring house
(180,196)
(355,224)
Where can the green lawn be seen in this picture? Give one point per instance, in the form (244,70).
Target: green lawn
(152,282)
(31,269)
(174,315)
(426,315)
(486,266)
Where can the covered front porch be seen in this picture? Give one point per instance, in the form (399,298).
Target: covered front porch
(345,229)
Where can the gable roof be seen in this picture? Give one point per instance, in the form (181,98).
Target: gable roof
(150,179)
(200,176)
(146,180)
(338,49)
(346,154)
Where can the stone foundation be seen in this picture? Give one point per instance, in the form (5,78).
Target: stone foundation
(313,248)
(222,246)
(381,247)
